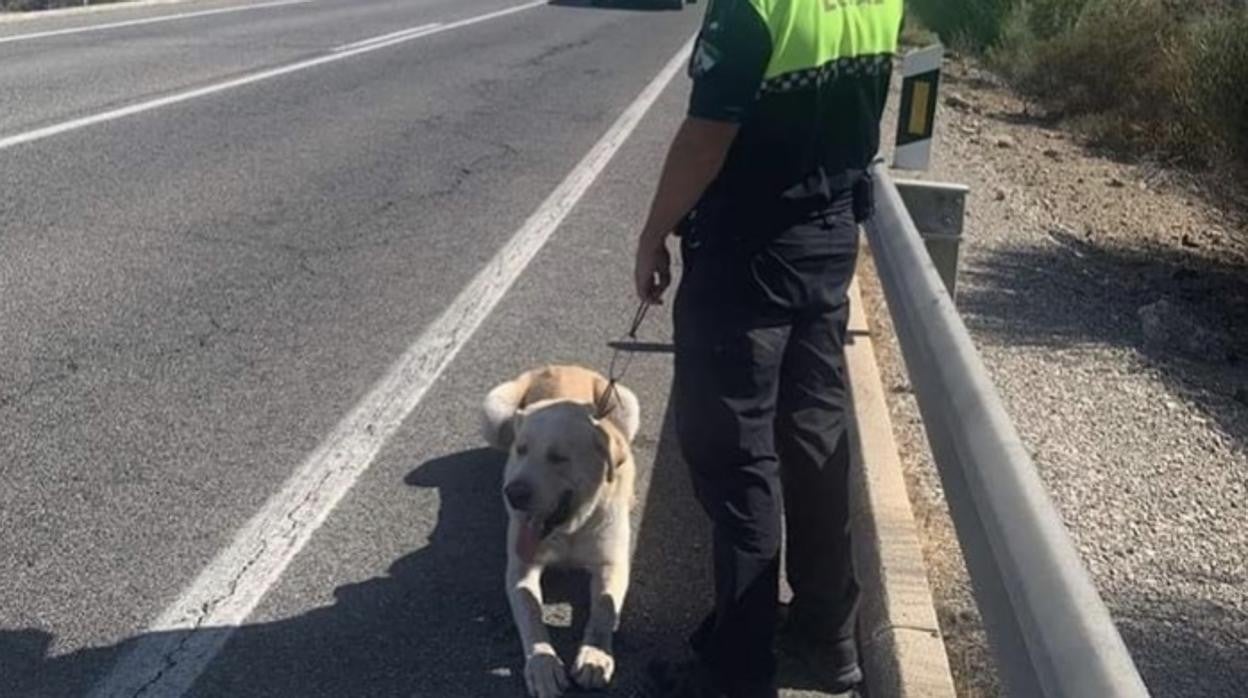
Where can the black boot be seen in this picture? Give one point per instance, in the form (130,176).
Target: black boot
(834,663)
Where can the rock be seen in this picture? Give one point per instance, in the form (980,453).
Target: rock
(1052,154)
(1004,142)
(957,101)
(998,195)
(1188,241)
(1116,183)
(1061,230)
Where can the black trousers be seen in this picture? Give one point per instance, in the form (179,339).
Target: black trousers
(761,397)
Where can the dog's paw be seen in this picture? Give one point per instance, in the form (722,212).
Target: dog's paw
(594,668)
(544,674)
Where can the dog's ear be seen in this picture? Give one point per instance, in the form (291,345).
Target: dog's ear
(501,411)
(513,428)
(612,446)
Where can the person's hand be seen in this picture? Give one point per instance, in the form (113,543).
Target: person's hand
(652,272)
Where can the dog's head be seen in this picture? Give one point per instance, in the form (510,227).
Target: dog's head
(561,462)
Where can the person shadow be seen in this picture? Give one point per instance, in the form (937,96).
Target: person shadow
(437,623)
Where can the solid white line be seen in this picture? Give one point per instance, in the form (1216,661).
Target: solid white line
(401,34)
(147,20)
(169,655)
(140,107)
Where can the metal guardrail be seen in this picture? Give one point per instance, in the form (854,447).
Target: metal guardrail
(1051,633)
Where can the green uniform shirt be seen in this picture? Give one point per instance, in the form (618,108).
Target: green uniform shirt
(806,80)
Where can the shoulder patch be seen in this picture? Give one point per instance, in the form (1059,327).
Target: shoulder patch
(705,57)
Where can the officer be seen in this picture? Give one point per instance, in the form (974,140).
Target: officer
(765,183)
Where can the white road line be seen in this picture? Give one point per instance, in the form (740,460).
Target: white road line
(146,20)
(140,107)
(393,36)
(169,655)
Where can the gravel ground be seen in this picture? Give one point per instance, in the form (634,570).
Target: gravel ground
(1109,302)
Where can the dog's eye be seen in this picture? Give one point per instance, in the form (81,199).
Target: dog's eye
(556,457)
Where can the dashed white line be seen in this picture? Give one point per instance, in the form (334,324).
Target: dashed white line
(140,107)
(146,20)
(170,654)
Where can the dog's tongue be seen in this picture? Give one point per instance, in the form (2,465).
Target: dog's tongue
(528,538)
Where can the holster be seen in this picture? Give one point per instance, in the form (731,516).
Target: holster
(864,197)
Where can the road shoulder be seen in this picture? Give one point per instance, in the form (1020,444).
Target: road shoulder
(903,651)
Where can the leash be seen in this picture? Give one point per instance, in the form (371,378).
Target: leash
(606,402)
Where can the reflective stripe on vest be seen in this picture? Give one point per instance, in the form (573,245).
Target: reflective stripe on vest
(820,40)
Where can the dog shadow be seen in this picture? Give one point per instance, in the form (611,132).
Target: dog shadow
(437,623)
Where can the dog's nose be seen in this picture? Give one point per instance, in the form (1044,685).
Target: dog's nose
(519,494)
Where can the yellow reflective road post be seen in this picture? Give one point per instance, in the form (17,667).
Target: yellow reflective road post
(920,71)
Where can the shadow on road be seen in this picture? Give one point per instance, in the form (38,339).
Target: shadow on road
(438,623)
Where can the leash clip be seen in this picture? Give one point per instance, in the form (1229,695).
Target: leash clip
(615,373)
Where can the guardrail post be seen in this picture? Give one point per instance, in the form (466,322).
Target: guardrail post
(939,212)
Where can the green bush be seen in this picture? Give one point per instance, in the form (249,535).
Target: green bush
(1109,60)
(972,24)
(1046,19)
(1160,75)
(1211,88)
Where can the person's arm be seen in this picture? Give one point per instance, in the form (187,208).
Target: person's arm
(693,161)
(727,68)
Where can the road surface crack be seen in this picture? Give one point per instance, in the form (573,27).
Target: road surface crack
(288,535)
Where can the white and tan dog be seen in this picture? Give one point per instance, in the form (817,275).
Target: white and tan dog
(568,489)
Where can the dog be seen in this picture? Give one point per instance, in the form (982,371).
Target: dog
(568,488)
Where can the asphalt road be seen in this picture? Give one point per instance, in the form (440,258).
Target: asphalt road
(198,282)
